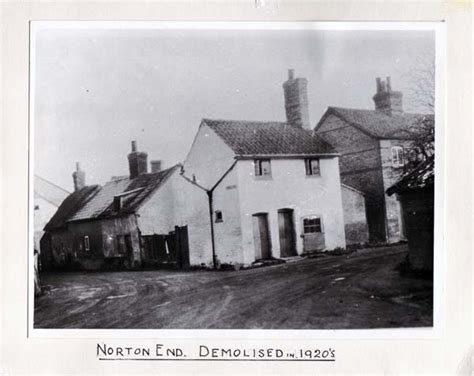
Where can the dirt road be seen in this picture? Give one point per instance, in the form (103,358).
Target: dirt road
(356,291)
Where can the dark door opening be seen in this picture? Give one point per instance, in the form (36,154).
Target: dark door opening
(286,229)
(261,235)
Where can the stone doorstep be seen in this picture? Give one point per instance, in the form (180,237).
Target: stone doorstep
(292,258)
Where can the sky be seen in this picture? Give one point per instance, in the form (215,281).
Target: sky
(96,90)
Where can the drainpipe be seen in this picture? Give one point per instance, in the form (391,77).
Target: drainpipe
(213,244)
(211,207)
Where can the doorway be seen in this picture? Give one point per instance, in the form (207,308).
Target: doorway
(261,235)
(313,234)
(286,229)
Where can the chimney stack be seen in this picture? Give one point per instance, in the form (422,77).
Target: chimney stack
(79,178)
(387,101)
(137,162)
(155,166)
(296,101)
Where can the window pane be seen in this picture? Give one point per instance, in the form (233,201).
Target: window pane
(311,225)
(400,156)
(307,166)
(265,167)
(257,167)
(315,166)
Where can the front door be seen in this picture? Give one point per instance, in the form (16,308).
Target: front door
(287,233)
(261,236)
(313,234)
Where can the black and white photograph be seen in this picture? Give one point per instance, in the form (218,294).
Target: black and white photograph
(232,175)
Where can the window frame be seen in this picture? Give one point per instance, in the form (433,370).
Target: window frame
(308,165)
(87,243)
(398,156)
(312,217)
(219,217)
(258,171)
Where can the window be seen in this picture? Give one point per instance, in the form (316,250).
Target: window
(262,167)
(311,225)
(219,216)
(87,246)
(397,156)
(312,166)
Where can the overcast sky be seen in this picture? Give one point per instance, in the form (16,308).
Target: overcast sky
(96,90)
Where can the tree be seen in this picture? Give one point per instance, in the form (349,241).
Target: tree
(421,94)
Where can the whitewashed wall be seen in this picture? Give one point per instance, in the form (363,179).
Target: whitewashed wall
(289,187)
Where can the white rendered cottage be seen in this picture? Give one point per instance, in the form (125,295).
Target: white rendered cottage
(273,188)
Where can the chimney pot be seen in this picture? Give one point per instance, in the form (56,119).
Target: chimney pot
(79,178)
(291,74)
(137,162)
(155,166)
(379,84)
(388,101)
(389,85)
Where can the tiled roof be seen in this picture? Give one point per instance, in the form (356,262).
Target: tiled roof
(75,201)
(101,206)
(48,191)
(268,138)
(420,177)
(379,124)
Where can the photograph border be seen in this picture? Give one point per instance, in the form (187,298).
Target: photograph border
(265,334)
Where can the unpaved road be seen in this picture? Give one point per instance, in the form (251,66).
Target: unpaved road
(357,291)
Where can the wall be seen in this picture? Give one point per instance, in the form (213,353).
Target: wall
(360,165)
(120,226)
(228,233)
(418,212)
(289,187)
(179,203)
(355,220)
(208,159)
(61,248)
(392,175)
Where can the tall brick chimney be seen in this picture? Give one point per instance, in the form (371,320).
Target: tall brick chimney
(296,101)
(386,100)
(137,162)
(155,166)
(79,178)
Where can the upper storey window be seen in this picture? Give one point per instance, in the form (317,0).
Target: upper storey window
(262,167)
(312,167)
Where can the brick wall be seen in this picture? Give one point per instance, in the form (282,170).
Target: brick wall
(360,165)
(391,175)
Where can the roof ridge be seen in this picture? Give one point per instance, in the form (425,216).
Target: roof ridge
(246,121)
(53,184)
(375,111)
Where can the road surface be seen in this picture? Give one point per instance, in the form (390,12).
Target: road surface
(360,290)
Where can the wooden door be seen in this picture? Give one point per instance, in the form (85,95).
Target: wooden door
(287,233)
(129,249)
(182,246)
(261,236)
(313,234)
